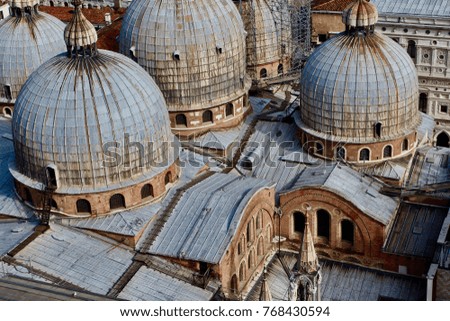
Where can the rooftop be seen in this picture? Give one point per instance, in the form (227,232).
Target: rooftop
(19,289)
(416,230)
(204,220)
(428,8)
(330,5)
(345,282)
(94,15)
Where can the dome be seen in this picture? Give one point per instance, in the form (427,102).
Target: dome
(27,39)
(194,49)
(82,113)
(262,34)
(356,80)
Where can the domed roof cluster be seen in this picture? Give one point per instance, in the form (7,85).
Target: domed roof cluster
(194,49)
(28,38)
(357,79)
(78,108)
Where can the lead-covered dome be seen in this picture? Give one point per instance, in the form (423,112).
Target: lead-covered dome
(356,81)
(28,38)
(94,117)
(194,49)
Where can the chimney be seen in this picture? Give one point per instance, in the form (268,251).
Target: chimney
(117,4)
(107,19)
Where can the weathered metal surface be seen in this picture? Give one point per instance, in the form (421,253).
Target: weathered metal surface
(152,285)
(194,49)
(429,8)
(416,230)
(262,37)
(204,220)
(345,282)
(69,108)
(26,43)
(18,289)
(14,232)
(355,80)
(360,13)
(83,260)
(10,205)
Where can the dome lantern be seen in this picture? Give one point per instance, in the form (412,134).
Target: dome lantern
(21,8)
(360,14)
(80,35)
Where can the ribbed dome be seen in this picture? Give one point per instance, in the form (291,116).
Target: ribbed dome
(71,107)
(262,37)
(26,42)
(194,49)
(360,14)
(355,80)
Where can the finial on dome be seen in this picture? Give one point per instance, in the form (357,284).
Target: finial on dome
(79,34)
(360,14)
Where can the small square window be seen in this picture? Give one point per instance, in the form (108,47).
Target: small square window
(444,108)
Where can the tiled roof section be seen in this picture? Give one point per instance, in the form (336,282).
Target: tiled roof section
(330,5)
(108,36)
(95,16)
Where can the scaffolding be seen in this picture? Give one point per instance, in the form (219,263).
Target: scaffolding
(293,20)
(293,30)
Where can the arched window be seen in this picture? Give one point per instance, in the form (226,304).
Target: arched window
(229,110)
(147,191)
(387,151)
(412,51)
(260,247)
(242,272)
(442,140)
(340,153)
(66,4)
(299,222)
(116,201)
(50,172)
(323,223)
(378,130)
(364,154)
(319,148)
(280,69)
(180,120)
(405,145)
(423,102)
(250,233)
(259,221)
(269,234)
(28,197)
(168,178)
(234,284)
(263,73)
(250,260)
(347,231)
(52,4)
(7,112)
(207,116)
(8,94)
(83,206)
